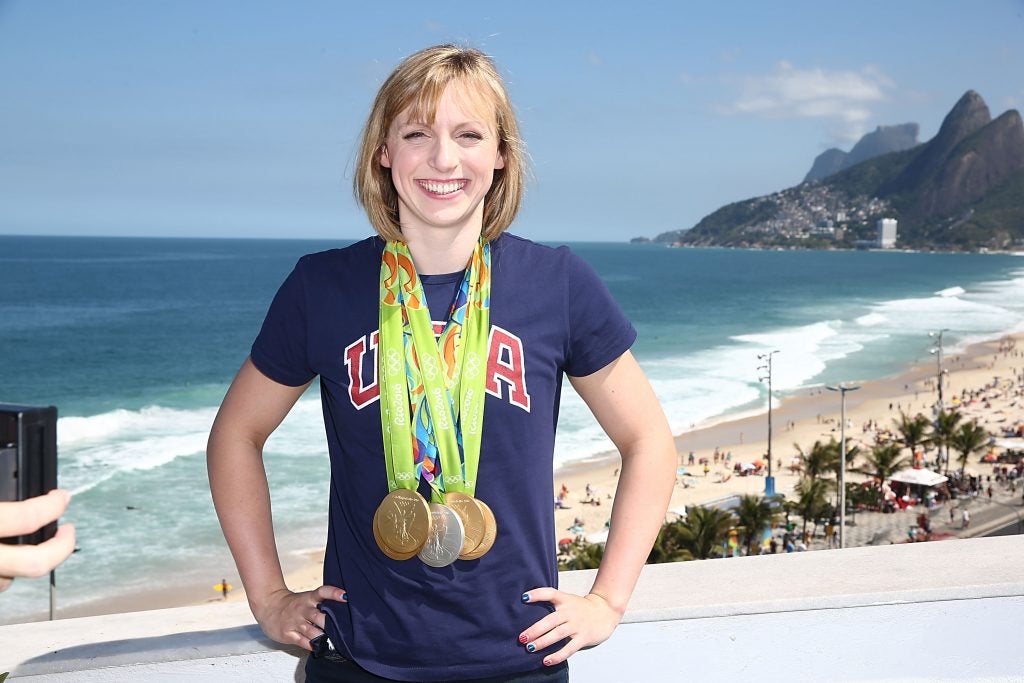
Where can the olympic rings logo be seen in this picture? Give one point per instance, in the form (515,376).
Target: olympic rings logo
(472,365)
(429,365)
(394,361)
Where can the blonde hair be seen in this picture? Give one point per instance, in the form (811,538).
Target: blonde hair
(419,82)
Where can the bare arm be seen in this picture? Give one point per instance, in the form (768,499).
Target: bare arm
(624,404)
(253,408)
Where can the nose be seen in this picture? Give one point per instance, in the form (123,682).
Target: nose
(443,156)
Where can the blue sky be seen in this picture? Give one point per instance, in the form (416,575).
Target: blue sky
(239,119)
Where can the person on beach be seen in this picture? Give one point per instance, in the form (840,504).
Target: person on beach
(440,561)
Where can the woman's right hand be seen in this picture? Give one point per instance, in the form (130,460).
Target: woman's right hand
(295,618)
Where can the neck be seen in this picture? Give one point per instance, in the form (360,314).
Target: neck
(435,252)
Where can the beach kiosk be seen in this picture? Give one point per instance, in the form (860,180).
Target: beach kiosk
(920,479)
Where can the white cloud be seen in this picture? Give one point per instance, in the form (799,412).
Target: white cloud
(842,99)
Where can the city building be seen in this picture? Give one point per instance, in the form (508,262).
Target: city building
(886,233)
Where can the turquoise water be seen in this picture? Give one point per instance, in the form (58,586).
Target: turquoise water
(136,340)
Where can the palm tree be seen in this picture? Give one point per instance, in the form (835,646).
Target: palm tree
(884,460)
(668,545)
(753,515)
(704,532)
(970,438)
(811,499)
(820,460)
(945,427)
(913,431)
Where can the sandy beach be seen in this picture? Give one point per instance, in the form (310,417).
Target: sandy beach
(802,418)
(990,369)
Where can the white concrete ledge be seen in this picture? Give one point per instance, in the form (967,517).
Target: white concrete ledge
(948,610)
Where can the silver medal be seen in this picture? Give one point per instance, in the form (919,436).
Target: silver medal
(446,538)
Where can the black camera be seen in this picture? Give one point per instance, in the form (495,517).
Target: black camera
(28,460)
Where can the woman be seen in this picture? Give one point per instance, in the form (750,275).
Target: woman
(466,422)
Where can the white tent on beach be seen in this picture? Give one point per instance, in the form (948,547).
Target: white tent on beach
(922,477)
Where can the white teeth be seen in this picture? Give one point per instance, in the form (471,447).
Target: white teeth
(443,188)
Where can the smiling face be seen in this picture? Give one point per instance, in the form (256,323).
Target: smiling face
(442,170)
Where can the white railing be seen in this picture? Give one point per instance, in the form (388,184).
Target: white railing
(949,610)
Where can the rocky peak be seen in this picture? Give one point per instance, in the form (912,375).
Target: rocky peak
(969,115)
(882,140)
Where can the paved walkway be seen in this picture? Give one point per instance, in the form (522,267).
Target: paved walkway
(878,528)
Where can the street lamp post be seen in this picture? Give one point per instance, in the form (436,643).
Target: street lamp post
(938,359)
(769,482)
(842,388)
(939,372)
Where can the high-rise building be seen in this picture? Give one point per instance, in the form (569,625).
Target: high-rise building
(886,233)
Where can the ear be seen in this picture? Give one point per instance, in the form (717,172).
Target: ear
(499,162)
(385,160)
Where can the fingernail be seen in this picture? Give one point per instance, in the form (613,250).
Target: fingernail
(523,638)
(531,647)
(526,597)
(344,597)
(547,662)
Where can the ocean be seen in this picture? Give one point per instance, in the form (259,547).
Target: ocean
(135,341)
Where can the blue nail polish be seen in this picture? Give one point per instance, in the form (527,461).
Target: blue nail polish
(531,647)
(526,597)
(344,596)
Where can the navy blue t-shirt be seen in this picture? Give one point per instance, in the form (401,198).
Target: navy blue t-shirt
(550,314)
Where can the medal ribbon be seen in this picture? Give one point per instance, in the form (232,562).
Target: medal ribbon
(421,421)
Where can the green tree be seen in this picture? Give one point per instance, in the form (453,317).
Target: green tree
(945,426)
(704,532)
(822,459)
(970,438)
(811,500)
(668,546)
(752,516)
(883,461)
(913,431)
(582,555)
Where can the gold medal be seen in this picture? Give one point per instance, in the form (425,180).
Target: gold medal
(388,551)
(402,523)
(490,533)
(472,517)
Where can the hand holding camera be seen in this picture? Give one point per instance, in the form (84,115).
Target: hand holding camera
(25,517)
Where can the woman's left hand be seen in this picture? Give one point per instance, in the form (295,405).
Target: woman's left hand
(585,620)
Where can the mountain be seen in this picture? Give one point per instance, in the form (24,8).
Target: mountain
(882,140)
(827,163)
(963,189)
